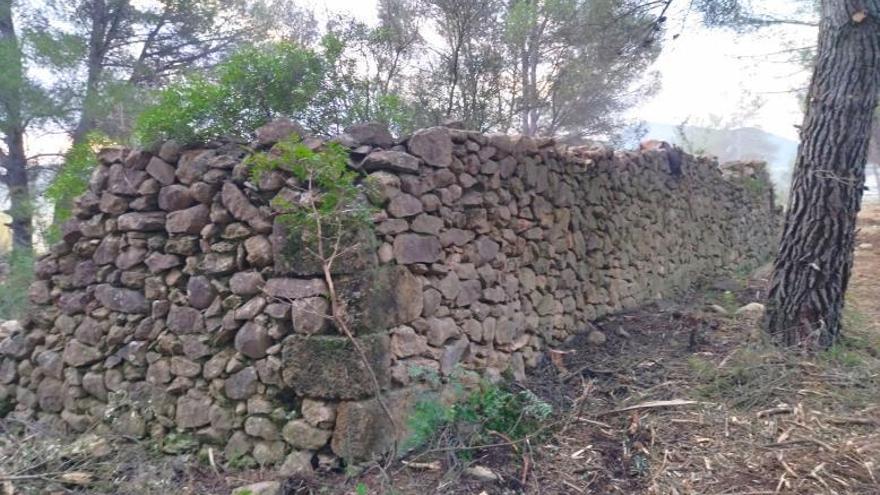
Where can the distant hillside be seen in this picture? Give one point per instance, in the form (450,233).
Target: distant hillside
(745,143)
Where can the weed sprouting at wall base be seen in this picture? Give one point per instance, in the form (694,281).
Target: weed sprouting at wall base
(476,416)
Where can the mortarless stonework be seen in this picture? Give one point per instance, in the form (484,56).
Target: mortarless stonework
(174,304)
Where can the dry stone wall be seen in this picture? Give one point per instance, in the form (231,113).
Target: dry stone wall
(178,306)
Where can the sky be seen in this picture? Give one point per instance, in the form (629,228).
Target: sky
(711,76)
(708,75)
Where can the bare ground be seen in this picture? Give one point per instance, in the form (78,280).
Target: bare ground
(681,399)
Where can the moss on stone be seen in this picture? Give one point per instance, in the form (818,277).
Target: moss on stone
(329,367)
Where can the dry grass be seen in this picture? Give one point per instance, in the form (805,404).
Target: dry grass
(34,460)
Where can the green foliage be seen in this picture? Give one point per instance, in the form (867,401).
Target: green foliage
(514,414)
(426,418)
(329,195)
(250,88)
(858,342)
(241,462)
(6,407)
(269,80)
(347,96)
(423,373)
(177,443)
(486,411)
(14,286)
(727,300)
(73,179)
(756,186)
(701,367)
(843,354)
(858,327)
(361,489)
(185,111)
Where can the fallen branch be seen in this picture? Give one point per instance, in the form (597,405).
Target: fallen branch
(775,410)
(653,405)
(427,466)
(853,421)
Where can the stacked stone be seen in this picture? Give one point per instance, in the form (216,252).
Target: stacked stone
(178,302)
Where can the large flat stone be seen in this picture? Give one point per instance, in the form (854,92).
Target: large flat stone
(363,429)
(329,367)
(293,251)
(416,248)
(381,298)
(393,161)
(122,300)
(433,145)
(143,222)
(294,288)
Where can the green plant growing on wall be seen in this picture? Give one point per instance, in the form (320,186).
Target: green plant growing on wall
(328,204)
(489,410)
(73,179)
(756,186)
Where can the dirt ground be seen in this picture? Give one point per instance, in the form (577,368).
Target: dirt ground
(758,421)
(681,399)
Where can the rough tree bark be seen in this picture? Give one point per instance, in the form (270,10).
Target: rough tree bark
(815,255)
(13,127)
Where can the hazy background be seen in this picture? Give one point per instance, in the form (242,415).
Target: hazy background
(738,94)
(735,95)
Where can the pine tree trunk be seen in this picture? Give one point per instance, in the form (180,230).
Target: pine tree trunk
(19,193)
(15,161)
(815,255)
(98,13)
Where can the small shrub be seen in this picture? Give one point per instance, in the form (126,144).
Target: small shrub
(859,330)
(843,354)
(478,416)
(73,178)
(423,373)
(701,367)
(262,82)
(14,301)
(185,111)
(748,379)
(241,462)
(728,301)
(328,205)
(177,443)
(516,415)
(427,417)
(6,407)
(858,342)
